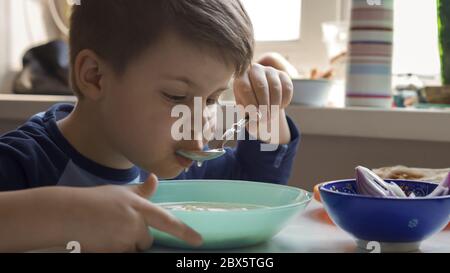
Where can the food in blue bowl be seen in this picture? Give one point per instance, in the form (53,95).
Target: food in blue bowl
(399,224)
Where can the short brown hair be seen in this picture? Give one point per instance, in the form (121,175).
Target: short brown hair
(120,30)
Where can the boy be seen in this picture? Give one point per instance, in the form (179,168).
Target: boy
(132,62)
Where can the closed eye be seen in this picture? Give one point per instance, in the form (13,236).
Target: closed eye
(175,98)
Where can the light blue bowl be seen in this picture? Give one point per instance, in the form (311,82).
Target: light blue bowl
(398,224)
(231,229)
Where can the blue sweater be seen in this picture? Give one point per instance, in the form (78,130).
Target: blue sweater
(37,155)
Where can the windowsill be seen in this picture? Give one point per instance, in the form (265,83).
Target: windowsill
(403,124)
(21,107)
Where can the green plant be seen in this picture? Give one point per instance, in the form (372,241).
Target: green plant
(444,38)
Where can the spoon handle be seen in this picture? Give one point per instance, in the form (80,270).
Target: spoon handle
(235,128)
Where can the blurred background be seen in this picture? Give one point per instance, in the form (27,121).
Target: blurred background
(311,37)
(308,33)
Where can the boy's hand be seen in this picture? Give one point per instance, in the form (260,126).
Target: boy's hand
(266,86)
(116,219)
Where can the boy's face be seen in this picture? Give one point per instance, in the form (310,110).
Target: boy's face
(136,108)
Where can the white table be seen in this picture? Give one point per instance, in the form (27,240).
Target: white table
(309,232)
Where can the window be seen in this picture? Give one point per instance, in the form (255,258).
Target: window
(416,39)
(293,28)
(416,48)
(275,20)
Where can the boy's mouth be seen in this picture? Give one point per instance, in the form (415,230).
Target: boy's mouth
(183,162)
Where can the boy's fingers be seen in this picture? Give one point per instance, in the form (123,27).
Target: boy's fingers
(160,219)
(260,85)
(275,86)
(288,90)
(148,188)
(145,240)
(244,92)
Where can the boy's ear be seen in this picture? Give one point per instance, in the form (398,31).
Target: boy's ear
(88,74)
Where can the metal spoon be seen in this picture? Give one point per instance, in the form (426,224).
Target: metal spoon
(442,189)
(202,156)
(369,183)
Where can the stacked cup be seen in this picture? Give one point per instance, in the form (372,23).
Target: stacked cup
(369,68)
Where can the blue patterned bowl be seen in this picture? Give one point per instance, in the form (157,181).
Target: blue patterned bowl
(398,224)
